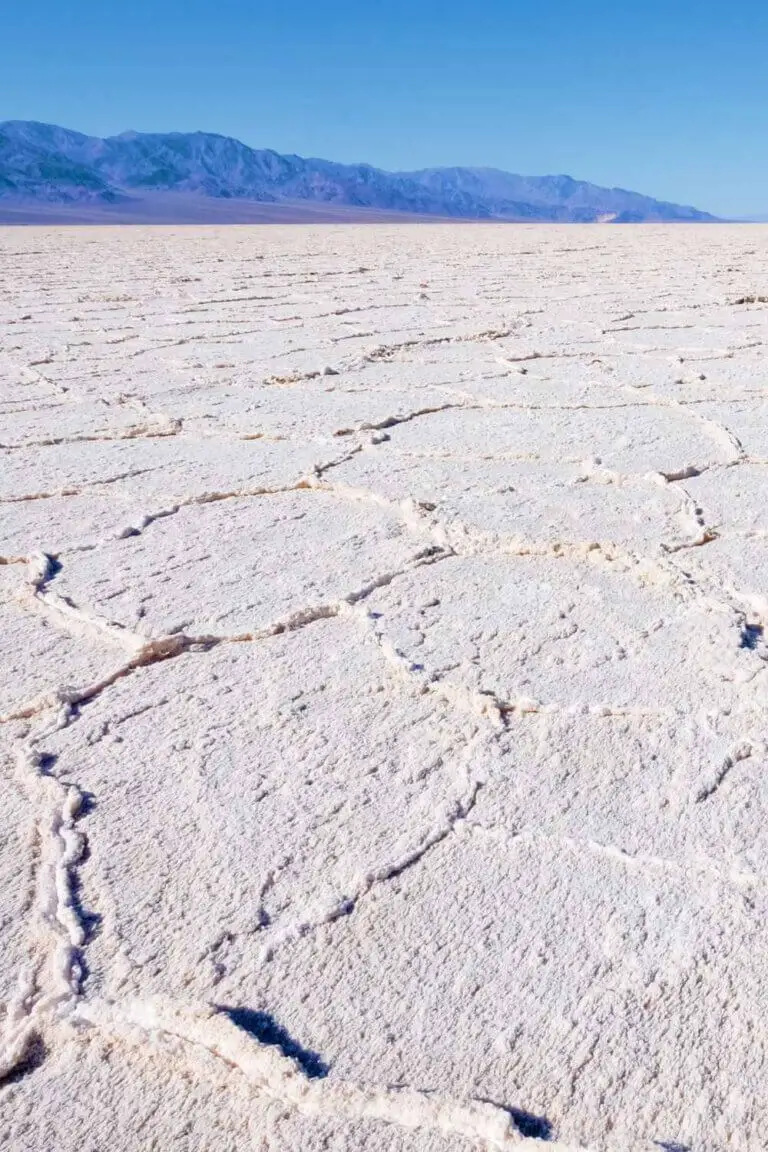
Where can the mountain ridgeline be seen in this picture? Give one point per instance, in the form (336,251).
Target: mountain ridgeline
(42,164)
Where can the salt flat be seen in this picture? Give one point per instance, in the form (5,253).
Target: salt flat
(383,688)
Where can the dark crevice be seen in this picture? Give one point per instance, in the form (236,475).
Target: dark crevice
(751,635)
(34,1057)
(527,1123)
(264,1028)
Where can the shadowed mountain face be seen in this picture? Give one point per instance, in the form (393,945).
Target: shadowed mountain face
(506,195)
(42,163)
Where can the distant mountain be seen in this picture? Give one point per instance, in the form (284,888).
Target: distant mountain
(506,195)
(43,164)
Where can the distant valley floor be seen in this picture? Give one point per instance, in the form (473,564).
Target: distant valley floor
(188,208)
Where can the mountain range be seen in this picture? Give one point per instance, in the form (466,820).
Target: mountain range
(52,172)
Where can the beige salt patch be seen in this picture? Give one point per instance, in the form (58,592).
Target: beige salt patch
(736,565)
(731,503)
(185,1074)
(669,379)
(685,791)
(17,857)
(159,471)
(621,441)
(732,500)
(573,978)
(15,399)
(205,1042)
(242,391)
(244,795)
(746,420)
(105,1094)
(240,566)
(47,654)
(289,1131)
(556,633)
(689,340)
(84,420)
(12,577)
(547,384)
(295,410)
(60,524)
(524,504)
(93,1093)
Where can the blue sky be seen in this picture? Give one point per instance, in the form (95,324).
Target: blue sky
(669,98)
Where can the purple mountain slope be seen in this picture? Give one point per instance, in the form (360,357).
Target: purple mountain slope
(133,174)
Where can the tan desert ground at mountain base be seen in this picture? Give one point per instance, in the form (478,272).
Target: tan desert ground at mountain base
(384,757)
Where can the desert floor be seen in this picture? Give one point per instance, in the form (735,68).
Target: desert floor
(384,688)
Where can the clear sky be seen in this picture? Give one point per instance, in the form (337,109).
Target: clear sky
(668,97)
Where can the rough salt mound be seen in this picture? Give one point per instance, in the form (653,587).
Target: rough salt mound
(383,753)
